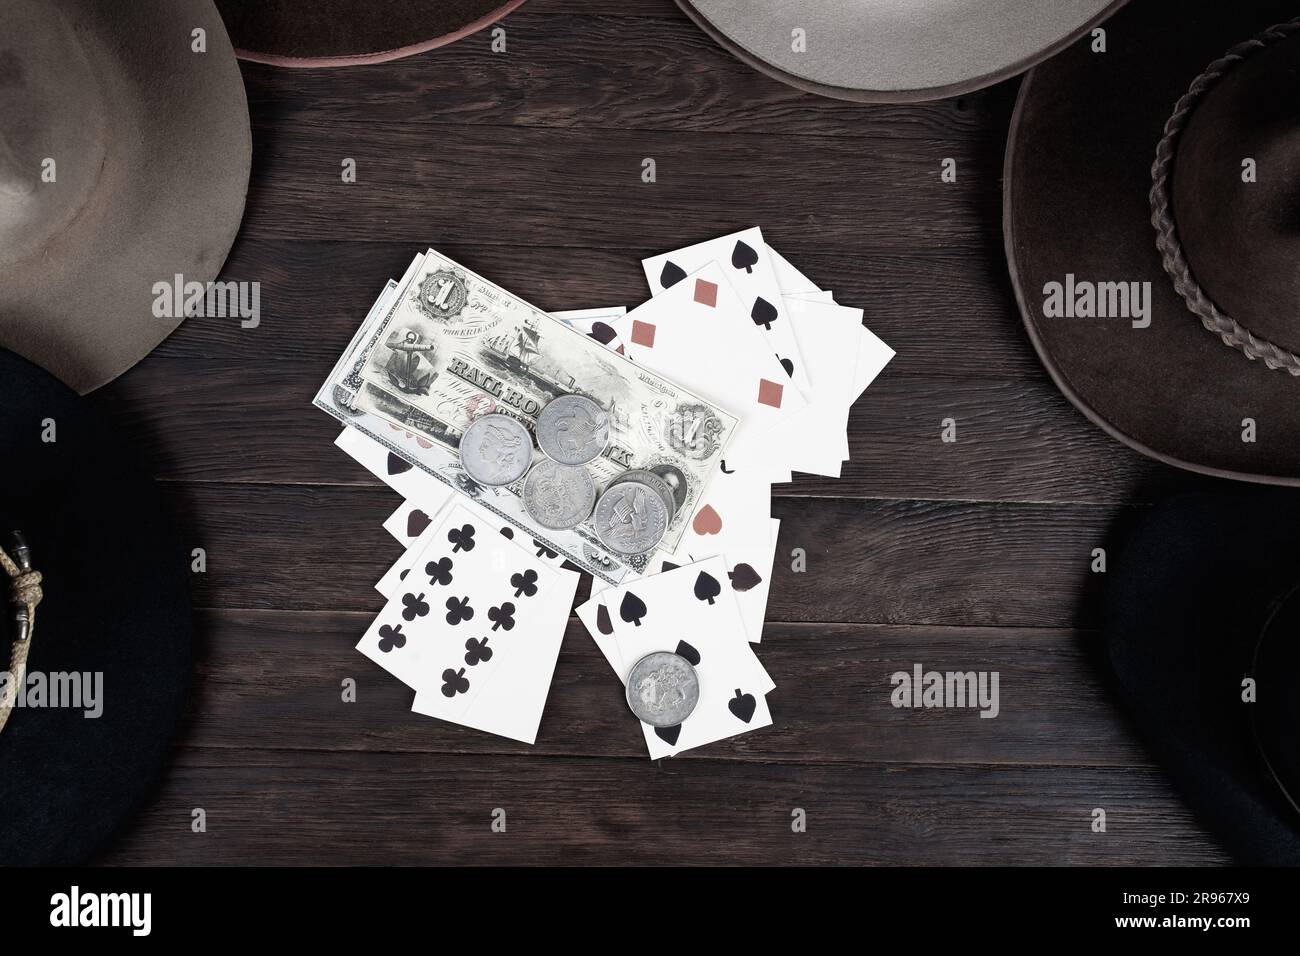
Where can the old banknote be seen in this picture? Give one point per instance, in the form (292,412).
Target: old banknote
(445,346)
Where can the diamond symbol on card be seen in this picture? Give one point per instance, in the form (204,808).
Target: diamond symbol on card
(643,334)
(769,393)
(706,292)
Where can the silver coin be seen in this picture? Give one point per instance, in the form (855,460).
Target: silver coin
(630,518)
(663,689)
(558,496)
(572,430)
(496,450)
(655,481)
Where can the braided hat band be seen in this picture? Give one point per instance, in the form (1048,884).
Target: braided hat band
(25,592)
(1175,262)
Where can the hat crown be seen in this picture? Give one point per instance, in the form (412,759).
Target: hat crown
(1235,192)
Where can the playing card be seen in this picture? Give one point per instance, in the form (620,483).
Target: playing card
(743,258)
(697,332)
(408,522)
(511,704)
(687,611)
(596,323)
(595,618)
(448,626)
(417,486)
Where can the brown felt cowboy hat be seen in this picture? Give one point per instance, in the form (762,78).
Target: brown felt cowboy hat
(124,158)
(894,51)
(1152,206)
(306,33)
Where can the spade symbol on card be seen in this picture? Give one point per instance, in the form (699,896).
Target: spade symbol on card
(524,583)
(507,532)
(603,623)
(439,571)
(632,610)
(602,333)
(416,522)
(690,653)
(454,682)
(462,538)
(668,566)
(744,257)
(390,637)
(671,275)
(669,735)
(414,605)
(742,705)
(398,465)
(477,650)
(744,577)
(787,365)
(503,616)
(763,313)
(707,587)
(458,610)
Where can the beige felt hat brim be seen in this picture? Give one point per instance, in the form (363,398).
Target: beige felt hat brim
(151,148)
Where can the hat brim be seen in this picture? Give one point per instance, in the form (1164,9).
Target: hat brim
(331,33)
(116,604)
(895,53)
(1076,184)
(1186,602)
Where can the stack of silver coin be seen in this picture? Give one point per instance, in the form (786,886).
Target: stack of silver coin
(559,492)
(633,513)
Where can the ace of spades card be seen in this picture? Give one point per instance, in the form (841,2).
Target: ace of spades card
(743,258)
(688,611)
(447,627)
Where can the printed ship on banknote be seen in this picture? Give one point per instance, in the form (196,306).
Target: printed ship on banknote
(444,346)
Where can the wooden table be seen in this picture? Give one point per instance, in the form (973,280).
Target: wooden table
(974,555)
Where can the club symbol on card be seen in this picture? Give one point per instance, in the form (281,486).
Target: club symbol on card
(669,735)
(454,682)
(458,610)
(632,610)
(439,571)
(477,650)
(398,465)
(744,257)
(671,275)
(706,521)
(744,577)
(707,587)
(524,583)
(503,616)
(763,313)
(603,623)
(390,637)
(462,538)
(416,522)
(742,705)
(414,605)
(690,653)
(543,551)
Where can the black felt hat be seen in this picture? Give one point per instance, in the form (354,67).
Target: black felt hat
(115,603)
(1203,634)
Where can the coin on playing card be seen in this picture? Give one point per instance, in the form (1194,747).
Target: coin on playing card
(496,450)
(655,481)
(572,430)
(631,517)
(663,689)
(558,496)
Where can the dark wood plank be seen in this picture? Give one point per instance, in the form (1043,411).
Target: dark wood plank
(370,808)
(308,548)
(283,670)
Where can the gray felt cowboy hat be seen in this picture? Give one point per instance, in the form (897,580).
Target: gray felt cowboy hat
(895,51)
(124,158)
(1151,201)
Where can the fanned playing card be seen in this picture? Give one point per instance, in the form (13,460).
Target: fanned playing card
(743,259)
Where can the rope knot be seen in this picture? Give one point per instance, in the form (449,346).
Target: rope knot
(26,588)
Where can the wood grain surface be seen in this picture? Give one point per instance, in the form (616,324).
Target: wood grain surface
(973,555)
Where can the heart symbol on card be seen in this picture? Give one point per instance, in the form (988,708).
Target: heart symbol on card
(707,587)
(669,735)
(744,257)
(744,577)
(416,522)
(742,705)
(632,610)
(671,275)
(706,521)
(763,313)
